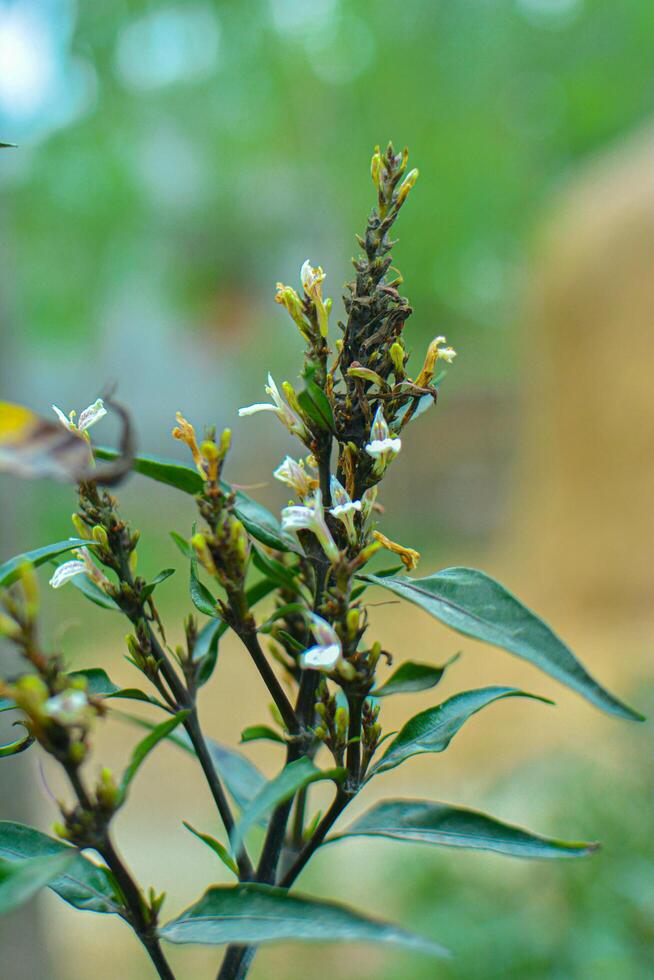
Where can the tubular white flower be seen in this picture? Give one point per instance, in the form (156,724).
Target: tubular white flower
(92,414)
(69,708)
(282,410)
(294,475)
(344,508)
(311,517)
(64,573)
(382,446)
(327,651)
(312,280)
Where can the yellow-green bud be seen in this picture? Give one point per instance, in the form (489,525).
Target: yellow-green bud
(291,397)
(320,733)
(406,185)
(60,830)
(352,622)
(77,753)
(346,670)
(106,790)
(225,441)
(8,627)
(397,356)
(321,710)
(133,561)
(340,722)
(80,527)
(375,166)
(199,545)
(375,654)
(100,535)
(134,647)
(30,588)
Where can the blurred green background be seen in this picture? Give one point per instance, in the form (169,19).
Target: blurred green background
(174,162)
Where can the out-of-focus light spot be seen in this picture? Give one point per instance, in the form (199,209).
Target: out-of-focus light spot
(28,64)
(174,44)
(303,18)
(550,13)
(172,173)
(343,52)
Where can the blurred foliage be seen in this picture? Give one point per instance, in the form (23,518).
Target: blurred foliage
(199,150)
(591,919)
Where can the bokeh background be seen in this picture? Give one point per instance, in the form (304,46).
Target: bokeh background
(174,161)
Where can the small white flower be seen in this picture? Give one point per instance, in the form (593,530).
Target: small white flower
(82,565)
(311,517)
(344,508)
(68,708)
(87,418)
(312,280)
(294,475)
(327,651)
(64,573)
(382,446)
(282,410)
(444,353)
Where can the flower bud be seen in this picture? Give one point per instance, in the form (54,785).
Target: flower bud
(407,184)
(199,545)
(80,527)
(352,622)
(397,357)
(9,628)
(341,722)
(100,535)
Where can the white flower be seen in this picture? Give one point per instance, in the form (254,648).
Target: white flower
(327,651)
(312,280)
(294,475)
(311,517)
(87,418)
(68,708)
(382,446)
(344,508)
(64,573)
(82,565)
(444,353)
(282,410)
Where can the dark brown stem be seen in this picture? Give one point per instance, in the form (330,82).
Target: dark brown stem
(341,800)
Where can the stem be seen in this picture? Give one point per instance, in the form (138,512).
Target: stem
(353,758)
(248,635)
(137,914)
(341,800)
(237,962)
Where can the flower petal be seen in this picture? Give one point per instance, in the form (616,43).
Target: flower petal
(65,572)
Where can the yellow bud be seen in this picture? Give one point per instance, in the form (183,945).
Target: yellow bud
(30,588)
(320,733)
(133,561)
(77,753)
(9,628)
(352,622)
(406,185)
(199,545)
(291,397)
(340,721)
(134,647)
(346,670)
(60,830)
(375,166)
(225,442)
(100,535)
(80,527)
(397,356)
(375,653)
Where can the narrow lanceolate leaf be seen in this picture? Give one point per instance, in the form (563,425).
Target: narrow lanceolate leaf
(476,605)
(257,519)
(82,884)
(21,880)
(240,776)
(263,914)
(424,822)
(257,733)
(201,598)
(100,685)
(411,677)
(293,777)
(144,748)
(161,577)
(10,570)
(433,730)
(219,849)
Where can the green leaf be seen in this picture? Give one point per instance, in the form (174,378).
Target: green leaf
(411,677)
(144,748)
(9,571)
(256,733)
(258,521)
(182,544)
(205,651)
(100,685)
(263,914)
(275,570)
(201,598)
(424,822)
(21,880)
(93,592)
(476,605)
(433,730)
(216,847)
(84,885)
(15,748)
(293,777)
(240,776)
(161,577)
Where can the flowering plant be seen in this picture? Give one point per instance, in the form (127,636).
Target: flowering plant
(310,574)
